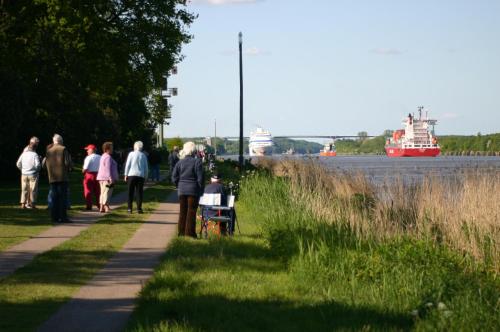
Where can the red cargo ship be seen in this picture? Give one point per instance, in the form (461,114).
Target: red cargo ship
(415,140)
(329,150)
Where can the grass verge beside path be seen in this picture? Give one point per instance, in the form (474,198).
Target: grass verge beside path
(240,284)
(18,225)
(290,271)
(36,291)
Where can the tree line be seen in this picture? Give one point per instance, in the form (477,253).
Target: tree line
(231,147)
(88,70)
(453,144)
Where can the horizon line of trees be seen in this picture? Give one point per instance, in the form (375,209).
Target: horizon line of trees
(91,71)
(450,144)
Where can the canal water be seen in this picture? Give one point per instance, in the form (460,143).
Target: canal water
(381,168)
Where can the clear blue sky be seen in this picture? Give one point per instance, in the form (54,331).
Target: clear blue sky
(338,67)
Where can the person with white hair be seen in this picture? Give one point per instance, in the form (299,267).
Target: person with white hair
(29,165)
(33,140)
(107,175)
(136,171)
(58,164)
(188,178)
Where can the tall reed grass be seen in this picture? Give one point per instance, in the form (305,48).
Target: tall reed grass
(462,212)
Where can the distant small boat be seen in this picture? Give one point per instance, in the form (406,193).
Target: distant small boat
(415,140)
(260,143)
(329,150)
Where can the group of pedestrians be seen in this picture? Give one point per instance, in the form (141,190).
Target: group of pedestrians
(188,177)
(100,174)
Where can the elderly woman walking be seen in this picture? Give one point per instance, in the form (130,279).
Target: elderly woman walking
(136,171)
(91,186)
(107,176)
(188,178)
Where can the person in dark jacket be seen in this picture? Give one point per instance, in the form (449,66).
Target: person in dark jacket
(173,158)
(58,164)
(216,187)
(155,159)
(187,176)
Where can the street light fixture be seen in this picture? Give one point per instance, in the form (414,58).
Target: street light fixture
(168,92)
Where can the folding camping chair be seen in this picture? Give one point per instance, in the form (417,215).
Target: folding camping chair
(215,217)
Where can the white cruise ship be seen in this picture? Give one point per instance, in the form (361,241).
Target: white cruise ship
(261,143)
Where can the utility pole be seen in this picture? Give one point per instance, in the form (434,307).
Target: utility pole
(240,37)
(215,137)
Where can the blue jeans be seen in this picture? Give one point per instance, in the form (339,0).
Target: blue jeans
(155,172)
(59,195)
(49,199)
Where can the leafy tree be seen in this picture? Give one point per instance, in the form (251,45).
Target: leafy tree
(159,108)
(388,133)
(363,135)
(83,69)
(299,146)
(175,141)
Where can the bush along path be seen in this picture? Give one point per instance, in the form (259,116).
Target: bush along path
(35,292)
(19,255)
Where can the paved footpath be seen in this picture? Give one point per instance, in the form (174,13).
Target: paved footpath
(21,254)
(106,302)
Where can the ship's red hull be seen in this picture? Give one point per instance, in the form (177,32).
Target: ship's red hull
(327,153)
(412,152)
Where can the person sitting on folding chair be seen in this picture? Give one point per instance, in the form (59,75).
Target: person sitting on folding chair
(217,207)
(216,187)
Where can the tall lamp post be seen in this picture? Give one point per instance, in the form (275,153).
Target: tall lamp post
(240,39)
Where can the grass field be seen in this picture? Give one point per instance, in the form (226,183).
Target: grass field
(30,295)
(17,225)
(291,270)
(241,284)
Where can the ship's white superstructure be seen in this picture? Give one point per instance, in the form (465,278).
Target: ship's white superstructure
(260,143)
